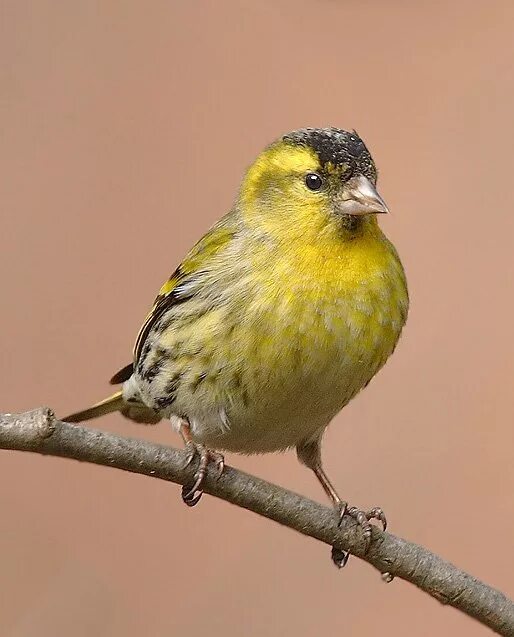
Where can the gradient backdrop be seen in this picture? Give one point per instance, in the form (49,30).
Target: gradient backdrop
(125,128)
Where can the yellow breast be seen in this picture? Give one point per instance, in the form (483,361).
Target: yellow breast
(349,295)
(321,324)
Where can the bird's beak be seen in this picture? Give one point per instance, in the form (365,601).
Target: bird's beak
(360,197)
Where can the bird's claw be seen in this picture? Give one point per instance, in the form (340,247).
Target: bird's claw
(376,513)
(339,556)
(191,453)
(191,493)
(363,519)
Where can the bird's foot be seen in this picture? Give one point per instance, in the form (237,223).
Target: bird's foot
(363,519)
(191,493)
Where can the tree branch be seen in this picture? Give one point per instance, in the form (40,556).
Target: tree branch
(39,431)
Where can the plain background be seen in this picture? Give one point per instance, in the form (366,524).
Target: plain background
(125,129)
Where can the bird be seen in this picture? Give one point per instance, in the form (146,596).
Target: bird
(284,310)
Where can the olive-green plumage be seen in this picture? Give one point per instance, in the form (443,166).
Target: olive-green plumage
(285,309)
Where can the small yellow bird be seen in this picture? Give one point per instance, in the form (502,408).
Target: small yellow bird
(277,317)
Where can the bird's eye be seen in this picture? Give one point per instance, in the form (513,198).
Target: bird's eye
(313,181)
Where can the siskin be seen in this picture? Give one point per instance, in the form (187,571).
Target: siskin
(277,317)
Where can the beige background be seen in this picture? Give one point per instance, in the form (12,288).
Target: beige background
(125,128)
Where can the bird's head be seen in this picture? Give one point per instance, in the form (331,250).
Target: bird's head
(314,179)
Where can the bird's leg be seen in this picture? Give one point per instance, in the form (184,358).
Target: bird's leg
(309,454)
(191,493)
(339,505)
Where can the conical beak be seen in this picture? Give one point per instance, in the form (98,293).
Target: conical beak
(360,197)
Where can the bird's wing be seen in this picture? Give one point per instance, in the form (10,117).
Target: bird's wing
(174,290)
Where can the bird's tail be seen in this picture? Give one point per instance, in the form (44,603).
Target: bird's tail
(134,411)
(107,406)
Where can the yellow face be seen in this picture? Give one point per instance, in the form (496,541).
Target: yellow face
(290,189)
(280,171)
